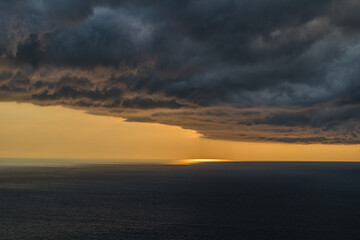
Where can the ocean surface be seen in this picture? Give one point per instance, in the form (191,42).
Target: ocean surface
(257,201)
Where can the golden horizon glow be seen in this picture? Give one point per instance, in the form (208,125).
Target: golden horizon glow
(30,131)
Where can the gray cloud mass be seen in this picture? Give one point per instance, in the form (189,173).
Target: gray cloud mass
(246,70)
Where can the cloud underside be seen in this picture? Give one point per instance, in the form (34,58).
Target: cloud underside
(247,70)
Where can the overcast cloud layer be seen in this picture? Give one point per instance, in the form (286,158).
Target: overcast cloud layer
(248,70)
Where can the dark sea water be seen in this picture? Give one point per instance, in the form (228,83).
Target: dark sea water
(257,201)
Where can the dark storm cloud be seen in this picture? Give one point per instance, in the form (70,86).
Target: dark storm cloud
(5,75)
(254,70)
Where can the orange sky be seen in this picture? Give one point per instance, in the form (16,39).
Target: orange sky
(29,131)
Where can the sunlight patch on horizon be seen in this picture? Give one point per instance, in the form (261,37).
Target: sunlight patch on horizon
(197,161)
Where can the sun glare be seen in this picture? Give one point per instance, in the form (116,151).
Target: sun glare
(196,161)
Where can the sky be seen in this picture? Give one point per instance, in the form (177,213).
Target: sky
(246,79)
(55,132)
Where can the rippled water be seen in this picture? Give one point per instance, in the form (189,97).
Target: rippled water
(202,201)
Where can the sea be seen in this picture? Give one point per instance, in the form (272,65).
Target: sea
(215,200)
